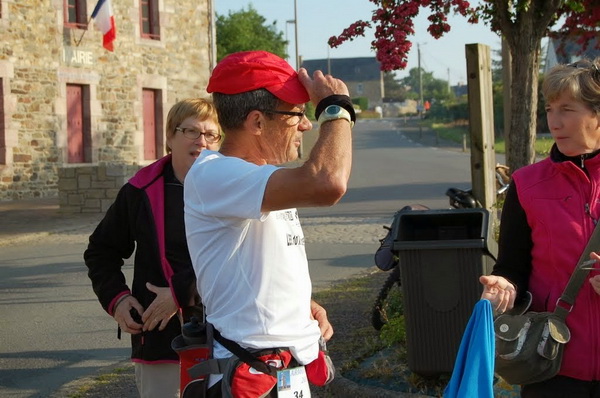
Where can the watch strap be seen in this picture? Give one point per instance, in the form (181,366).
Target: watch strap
(340,100)
(343,114)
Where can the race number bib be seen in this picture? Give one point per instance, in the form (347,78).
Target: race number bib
(292,383)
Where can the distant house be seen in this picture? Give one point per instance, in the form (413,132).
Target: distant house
(362,75)
(565,51)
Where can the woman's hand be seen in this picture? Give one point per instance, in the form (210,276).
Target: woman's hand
(499,291)
(122,314)
(595,280)
(161,310)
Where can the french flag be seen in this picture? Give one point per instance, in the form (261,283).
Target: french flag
(105,21)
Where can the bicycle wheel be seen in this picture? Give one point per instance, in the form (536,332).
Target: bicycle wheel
(378,313)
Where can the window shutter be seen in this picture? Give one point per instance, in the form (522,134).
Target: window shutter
(154,19)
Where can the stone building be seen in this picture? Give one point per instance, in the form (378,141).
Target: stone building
(68,105)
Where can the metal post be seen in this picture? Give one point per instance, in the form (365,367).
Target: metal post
(421,103)
(296,33)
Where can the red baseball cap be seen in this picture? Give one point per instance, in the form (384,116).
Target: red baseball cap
(250,70)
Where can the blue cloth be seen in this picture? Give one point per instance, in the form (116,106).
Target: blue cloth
(473,373)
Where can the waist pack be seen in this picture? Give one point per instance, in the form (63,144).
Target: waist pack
(248,373)
(529,347)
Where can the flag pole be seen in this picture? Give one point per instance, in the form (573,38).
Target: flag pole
(77,42)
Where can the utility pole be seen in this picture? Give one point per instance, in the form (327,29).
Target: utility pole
(296,33)
(421,104)
(301,148)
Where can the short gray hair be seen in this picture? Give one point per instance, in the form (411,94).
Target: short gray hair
(234,108)
(580,79)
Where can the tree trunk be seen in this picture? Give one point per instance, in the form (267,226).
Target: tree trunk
(523,24)
(523,104)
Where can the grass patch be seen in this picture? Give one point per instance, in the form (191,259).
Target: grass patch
(98,381)
(455,133)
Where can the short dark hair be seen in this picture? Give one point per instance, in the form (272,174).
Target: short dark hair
(234,108)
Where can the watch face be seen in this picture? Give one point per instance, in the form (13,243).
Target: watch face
(333,110)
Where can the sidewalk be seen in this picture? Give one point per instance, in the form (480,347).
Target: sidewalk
(27,219)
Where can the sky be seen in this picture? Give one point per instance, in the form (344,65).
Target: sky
(318,20)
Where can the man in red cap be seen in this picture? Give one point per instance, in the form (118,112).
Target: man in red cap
(244,235)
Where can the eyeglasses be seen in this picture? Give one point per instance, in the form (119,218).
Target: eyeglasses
(300,115)
(592,67)
(193,134)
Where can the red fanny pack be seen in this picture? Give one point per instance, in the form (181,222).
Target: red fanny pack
(247,382)
(320,371)
(253,374)
(244,381)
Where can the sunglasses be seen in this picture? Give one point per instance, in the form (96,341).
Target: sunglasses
(590,66)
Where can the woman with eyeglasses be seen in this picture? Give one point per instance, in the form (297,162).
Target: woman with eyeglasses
(147,217)
(550,212)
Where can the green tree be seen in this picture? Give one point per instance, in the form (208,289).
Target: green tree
(246,30)
(394,91)
(433,89)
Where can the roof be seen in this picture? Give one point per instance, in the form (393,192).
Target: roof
(564,50)
(346,69)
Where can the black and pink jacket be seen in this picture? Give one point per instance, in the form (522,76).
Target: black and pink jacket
(136,222)
(549,215)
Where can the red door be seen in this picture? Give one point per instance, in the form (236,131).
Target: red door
(149,99)
(2,129)
(75,123)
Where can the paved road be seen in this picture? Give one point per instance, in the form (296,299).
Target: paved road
(53,329)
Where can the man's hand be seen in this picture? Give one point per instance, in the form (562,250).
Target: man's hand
(123,316)
(321,86)
(499,291)
(317,312)
(161,310)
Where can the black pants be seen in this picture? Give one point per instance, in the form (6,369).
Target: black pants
(562,387)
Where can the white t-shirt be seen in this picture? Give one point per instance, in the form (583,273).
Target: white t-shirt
(251,267)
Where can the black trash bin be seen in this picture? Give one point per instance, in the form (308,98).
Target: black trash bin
(442,254)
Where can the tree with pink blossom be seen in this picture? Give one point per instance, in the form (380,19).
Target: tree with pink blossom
(522,23)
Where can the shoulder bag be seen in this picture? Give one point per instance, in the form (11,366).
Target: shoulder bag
(530,345)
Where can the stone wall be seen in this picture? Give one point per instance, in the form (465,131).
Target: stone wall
(39,57)
(91,189)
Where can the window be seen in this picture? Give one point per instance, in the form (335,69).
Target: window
(359,89)
(75,14)
(149,19)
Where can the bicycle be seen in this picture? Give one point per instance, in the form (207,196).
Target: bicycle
(387,260)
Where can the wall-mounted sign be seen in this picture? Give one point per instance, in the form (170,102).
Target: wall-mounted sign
(74,56)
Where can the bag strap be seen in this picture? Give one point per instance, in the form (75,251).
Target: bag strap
(245,355)
(578,277)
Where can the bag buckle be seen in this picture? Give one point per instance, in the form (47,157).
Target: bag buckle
(567,306)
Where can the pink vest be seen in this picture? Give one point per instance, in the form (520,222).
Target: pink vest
(561,204)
